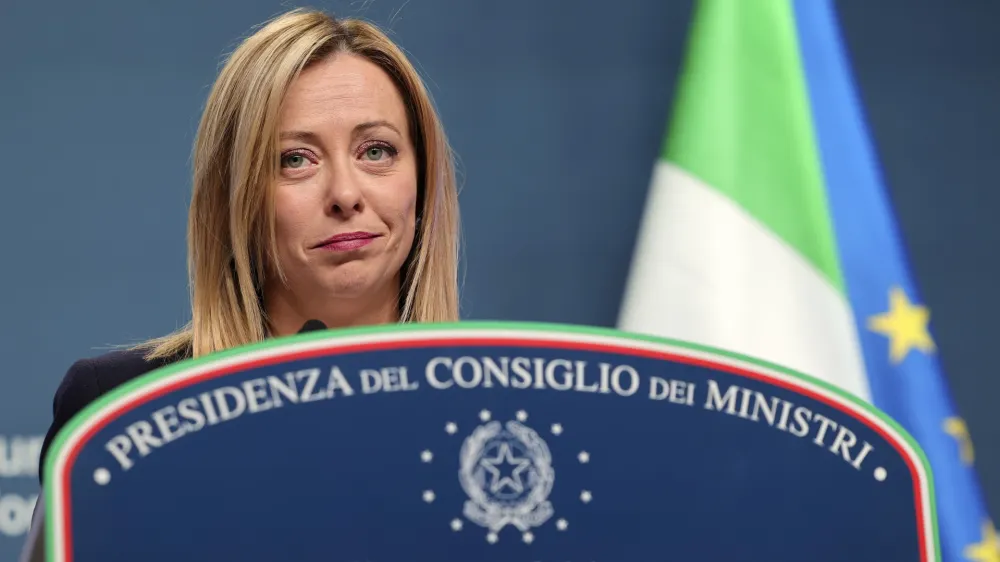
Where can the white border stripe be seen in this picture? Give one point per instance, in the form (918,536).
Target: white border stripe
(474,333)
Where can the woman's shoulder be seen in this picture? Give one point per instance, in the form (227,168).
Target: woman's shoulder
(89,378)
(109,370)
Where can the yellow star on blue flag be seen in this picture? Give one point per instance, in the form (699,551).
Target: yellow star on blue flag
(955,426)
(987,550)
(905,324)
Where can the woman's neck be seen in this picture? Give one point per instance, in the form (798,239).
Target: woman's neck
(286,314)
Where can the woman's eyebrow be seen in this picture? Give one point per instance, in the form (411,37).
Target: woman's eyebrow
(310,137)
(361,127)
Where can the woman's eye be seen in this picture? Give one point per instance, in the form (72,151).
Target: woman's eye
(374,153)
(294,161)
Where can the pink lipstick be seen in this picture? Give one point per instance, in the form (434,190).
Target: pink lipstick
(347,241)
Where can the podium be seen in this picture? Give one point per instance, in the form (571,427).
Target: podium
(484,442)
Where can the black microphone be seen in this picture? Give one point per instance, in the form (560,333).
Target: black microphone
(312,326)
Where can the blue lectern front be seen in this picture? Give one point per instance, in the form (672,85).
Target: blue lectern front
(484,442)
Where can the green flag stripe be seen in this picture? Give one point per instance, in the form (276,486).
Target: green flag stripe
(742,123)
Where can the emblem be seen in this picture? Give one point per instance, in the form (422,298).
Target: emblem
(506,471)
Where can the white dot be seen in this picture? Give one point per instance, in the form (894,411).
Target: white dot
(491,538)
(522,415)
(528,537)
(583,457)
(456,525)
(586,496)
(880,474)
(428,496)
(102,476)
(426,456)
(561,524)
(450,428)
(557,429)
(485,415)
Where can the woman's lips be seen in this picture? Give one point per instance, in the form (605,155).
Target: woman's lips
(347,241)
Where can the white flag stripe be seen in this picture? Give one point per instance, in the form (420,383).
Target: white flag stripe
(705,271)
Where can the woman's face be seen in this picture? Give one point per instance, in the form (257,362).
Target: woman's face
(346,196)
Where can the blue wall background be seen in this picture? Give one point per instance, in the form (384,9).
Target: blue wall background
(556,109)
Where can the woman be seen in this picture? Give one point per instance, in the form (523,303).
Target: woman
(323,189)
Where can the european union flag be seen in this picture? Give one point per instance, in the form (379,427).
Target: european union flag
(904,375)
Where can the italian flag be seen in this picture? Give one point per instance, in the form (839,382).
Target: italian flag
(736,249)
(768,232)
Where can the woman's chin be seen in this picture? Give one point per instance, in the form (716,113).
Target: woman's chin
(346,290)
(351,285)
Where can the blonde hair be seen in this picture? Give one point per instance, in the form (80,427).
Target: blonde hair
(231,230)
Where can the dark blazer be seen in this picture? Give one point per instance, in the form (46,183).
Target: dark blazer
(88,379)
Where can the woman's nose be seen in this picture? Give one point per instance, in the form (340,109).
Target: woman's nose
(344,194)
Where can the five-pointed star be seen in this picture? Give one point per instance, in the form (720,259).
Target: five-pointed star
(989,549)
(557,429)
(456,525)
(450,428)
(583,457)
(426,456)
(562,524)
(504,455)
(956,427)
(905,324)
